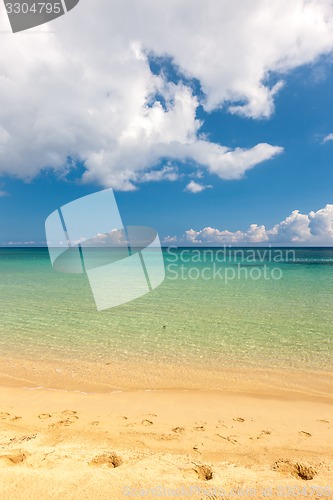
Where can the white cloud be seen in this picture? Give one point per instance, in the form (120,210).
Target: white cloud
(209,235)
(226,163)
(167,173)
(20,243)
(86,90)
(328,138)
(321,222)
(195,187)
(170,240)
(315,228)
(260,102)
(294,229)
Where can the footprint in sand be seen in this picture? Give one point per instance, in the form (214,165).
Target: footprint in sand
(239,419)
(64,422)
(323,421)
(69,413)
(305,434)
(178,430)
(199,428)
(297,469)
(165,437)
(111,460)
(14,458)
(261,435)
(203,472)
(197,447)
(44,416)
(147,422)
(231,438)
(5,416)
(22,438)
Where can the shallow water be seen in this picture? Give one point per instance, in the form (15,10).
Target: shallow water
(210,311)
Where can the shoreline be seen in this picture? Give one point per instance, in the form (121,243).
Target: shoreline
(115,376)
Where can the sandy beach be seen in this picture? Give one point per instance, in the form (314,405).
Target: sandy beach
(166,249)
(183,443)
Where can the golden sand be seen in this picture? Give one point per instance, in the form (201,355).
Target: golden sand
(263,442)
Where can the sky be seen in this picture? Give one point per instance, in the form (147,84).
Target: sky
(212,121)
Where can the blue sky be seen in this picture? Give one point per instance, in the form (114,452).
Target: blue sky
(299,178)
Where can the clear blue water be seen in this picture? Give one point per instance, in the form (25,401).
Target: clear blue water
(283,318)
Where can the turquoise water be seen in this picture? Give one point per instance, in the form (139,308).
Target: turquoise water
(283,318)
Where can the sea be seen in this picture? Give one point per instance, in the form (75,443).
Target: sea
(217,307)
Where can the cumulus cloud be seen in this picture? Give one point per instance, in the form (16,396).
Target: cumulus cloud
(294,229)
(209,235)
(321,222)
(195,187)
(328,138)
(86,91)
(226,163)
(315,228)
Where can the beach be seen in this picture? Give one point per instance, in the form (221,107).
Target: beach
(198,390)
(166,250)
(241,440)
(196,444)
